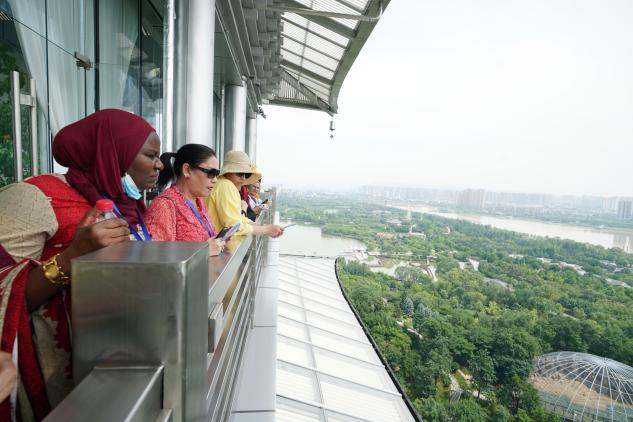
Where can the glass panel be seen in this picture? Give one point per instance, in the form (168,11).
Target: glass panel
(24,51)
(290,311)
(294,352)
(119,57)
(66,23)
(292,411)
(362,402)
(297,383)
(310,290)
(343,345)
(151,46)
(29,13)
(335,326)
(288,286)
(353,370)
(334,303)
(292,329)
(67,88)
(329,311)
(337,417)
(289,298)
(70,31)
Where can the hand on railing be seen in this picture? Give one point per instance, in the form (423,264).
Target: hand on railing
(216,246)
(274,230)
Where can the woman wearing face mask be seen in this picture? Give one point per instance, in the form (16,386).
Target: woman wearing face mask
(47,221)
(225,202)
(179,213)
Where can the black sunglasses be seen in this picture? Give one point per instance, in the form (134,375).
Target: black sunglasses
(211,173)
(246,175)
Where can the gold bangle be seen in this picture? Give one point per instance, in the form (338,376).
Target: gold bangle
(53,273)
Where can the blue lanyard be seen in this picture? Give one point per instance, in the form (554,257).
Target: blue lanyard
(204,223)
(138,237)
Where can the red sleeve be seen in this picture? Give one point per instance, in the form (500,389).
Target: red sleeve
(161,219)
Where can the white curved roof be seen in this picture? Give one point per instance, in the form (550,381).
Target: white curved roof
(297,52)
(327,370)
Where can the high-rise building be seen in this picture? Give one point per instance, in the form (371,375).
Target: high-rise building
(610,204)
(472,198)
(624,209)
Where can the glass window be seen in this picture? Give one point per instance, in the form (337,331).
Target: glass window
(119,56)
(131,58)
(151,46)
(21,50)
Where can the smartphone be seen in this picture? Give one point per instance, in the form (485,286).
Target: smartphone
(226,232)
(265,201)
(221,233)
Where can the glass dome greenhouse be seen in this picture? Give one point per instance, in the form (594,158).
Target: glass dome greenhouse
(584,387)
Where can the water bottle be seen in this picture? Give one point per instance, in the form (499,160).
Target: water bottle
(104,207)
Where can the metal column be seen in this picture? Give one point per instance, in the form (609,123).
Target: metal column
(235,117)
(193,72)
(251,136)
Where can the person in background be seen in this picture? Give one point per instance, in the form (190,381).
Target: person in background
(47,221)
(179,213)
(247,207)
(224,203)
(254,201)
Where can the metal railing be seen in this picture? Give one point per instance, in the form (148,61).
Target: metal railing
(159,329)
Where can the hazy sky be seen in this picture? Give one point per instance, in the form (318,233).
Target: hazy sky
(512,95)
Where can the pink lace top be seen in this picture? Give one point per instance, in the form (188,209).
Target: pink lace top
(169,218)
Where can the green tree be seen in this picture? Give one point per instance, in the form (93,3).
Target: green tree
(411,275)
(430,409)
(422,313)
(500,414)
(519,394)
(439,364)
(467,410)
(424,384)
(483,371)
(514,351)
(406,305)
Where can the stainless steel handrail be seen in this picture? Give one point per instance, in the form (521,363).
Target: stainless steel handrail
(235,320)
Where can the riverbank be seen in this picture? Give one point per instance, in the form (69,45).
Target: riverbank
(607,237)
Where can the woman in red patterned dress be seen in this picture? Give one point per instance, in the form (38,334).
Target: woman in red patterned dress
(179,213)
(46,222)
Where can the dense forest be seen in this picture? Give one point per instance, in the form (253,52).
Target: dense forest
(480,328)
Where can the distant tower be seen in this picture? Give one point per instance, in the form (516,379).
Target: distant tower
(624,209)
(472,198)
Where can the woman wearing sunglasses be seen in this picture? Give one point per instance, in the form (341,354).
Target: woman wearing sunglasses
(225,202)
(179,213)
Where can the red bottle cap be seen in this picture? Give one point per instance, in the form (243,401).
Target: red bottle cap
(104,205)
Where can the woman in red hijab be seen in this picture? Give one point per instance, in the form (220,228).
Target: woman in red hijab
(46,222)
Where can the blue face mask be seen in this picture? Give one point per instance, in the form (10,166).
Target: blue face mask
(130,187)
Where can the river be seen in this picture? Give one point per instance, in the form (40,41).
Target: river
(609,238)
(308,240)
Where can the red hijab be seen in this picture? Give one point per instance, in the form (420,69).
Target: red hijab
(98,150)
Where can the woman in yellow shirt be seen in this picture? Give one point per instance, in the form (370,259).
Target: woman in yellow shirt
(225,202)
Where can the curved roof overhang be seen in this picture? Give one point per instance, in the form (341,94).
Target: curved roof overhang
(297,53)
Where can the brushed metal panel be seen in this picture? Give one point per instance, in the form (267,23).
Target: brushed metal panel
(130,394)
(146,303)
